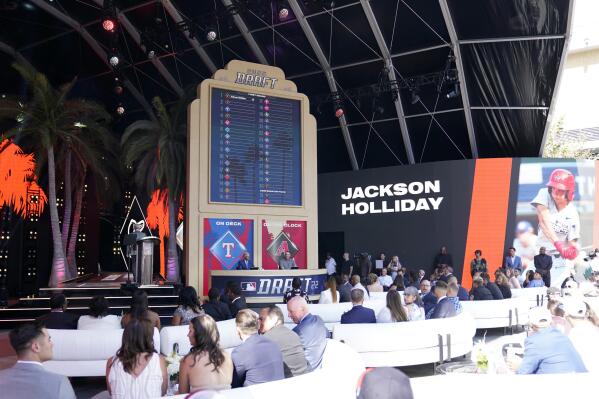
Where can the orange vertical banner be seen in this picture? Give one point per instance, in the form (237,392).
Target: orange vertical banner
(488,214)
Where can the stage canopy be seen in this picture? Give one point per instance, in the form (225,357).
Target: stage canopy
(418,80)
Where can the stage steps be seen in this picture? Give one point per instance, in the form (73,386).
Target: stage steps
(161,299)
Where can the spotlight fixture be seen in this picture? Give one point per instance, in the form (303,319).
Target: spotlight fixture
(118,89)
(120,109)
(283,13)
(415,97)
(210,34)
(114,60)
(151,54)
(455,92)
(339,112)
(108,23)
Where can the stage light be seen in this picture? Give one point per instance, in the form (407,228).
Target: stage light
(283,14)
(151,54)
(455,92)
(415,97)
(339,112)
(114,60)
(120,110)
(118,89)
(211,35)
(108,24)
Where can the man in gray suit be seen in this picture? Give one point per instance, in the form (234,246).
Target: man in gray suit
(28,379)
(311,330)
(271,326)
(344,289)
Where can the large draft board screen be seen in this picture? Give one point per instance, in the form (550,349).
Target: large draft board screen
(255,149)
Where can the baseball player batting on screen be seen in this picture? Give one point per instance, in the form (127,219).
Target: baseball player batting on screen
(559,223)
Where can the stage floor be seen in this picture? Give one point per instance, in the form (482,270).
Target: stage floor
(105,280)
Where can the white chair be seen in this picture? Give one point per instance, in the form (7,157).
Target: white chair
(169,336)
(509,312)
(83,353)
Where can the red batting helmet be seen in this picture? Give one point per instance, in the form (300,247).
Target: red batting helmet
(563,179)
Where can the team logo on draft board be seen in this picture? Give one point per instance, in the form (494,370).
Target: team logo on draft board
(281,244)
(227,249)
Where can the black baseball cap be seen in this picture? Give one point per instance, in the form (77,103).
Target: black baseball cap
(383,383)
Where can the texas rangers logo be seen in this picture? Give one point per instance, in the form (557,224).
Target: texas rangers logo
(281,244)
(228,250)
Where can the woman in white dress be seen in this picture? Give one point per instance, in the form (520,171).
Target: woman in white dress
(98,318)
(330,295)
(137,371)
(394,311)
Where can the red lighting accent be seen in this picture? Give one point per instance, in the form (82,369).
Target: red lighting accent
(339,112)
(109,25)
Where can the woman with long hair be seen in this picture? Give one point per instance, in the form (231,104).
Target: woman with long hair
(137,371)
(330,295)
(207,366)
(413,302)
(504,285)
(139,310)
(394,311)
(189,307)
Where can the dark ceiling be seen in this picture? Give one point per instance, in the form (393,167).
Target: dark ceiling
(505,60)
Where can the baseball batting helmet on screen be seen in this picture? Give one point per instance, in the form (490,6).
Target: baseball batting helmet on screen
(562,179)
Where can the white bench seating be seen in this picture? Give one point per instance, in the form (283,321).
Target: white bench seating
(498,313)
(83,353)
(536,296)
(409,343)
(169,336)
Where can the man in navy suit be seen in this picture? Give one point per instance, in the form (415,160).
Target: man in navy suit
(444,307)
(257,359)
(513,261)
(245,263)
(311,330)
(358,313)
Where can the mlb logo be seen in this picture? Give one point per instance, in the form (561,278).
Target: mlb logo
(248,286)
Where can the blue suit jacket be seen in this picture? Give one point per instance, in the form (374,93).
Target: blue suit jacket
(429,300)
(516,264)
(313,335)
(255,361)
(358,314)
(444,308)
(548,351)
(242,266)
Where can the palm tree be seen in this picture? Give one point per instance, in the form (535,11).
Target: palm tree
(17,176)
(157,149)
(46,122)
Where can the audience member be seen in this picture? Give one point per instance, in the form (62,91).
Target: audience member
(512,261)
(207,366)
(462,293)
(375,285)
(330,295)
(478,264)
(257,359)
(356,285)
(443,258)
(504,285)
(59,318)
(398,283)
(529,277)
(384,279)
(311,330)
(218,310)
(365,265)
(98,318)
(547,351)
(236,300)
(421,274)
(520,276)
(295,290)
(394,266)
(492,287)
(444,307)
(137,371)
(347,265)
(345,288)
(543,265)
(358,313)
(330,265)
(286,262)
(139,310)
(414,308)
(429,300)
(272,327)
(479,292)
(447,273)
(410,279)
(452,296)
(512,275)
(189,307)
(28,379)
(583,334)
(425,287)
(394,311)
(384,382)
(558,316)
(536,282)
